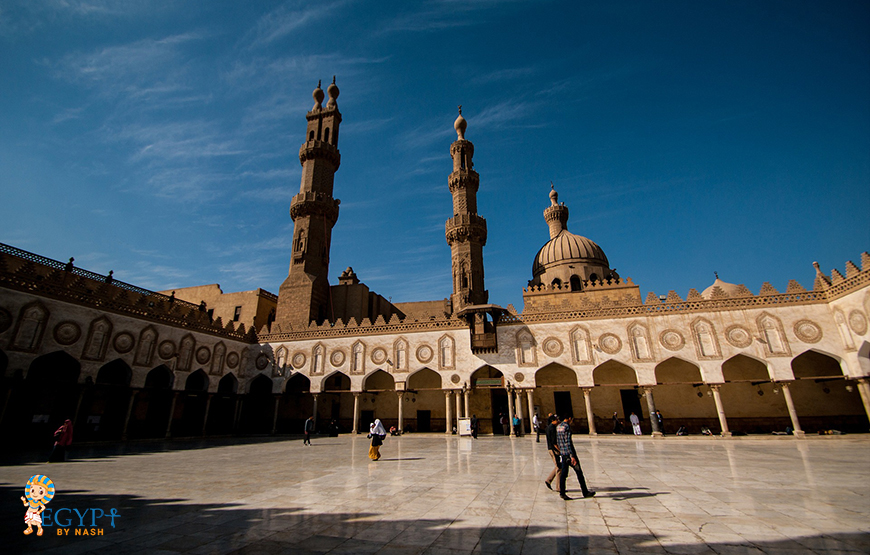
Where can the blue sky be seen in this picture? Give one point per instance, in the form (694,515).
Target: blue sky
(160,139)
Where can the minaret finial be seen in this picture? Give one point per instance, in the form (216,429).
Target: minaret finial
(333,79)
(554,196)
(460,109)
(716,274)
(460,125)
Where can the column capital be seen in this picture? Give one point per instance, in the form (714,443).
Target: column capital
(356,393)
(647,388)
(714,386)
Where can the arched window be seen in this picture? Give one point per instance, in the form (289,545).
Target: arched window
(575,283)
(556,283)
(593,277)
(326,134)
(311,135)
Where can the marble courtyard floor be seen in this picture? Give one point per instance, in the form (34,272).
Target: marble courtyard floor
(447,495)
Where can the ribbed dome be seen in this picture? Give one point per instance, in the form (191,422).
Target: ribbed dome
(567,247)
(730,288)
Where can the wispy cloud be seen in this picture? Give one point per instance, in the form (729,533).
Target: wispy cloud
(509,74)
(288,18)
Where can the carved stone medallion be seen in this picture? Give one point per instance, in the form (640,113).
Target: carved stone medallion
(123,342)
(672,340)
(337,357)
(455,378)
(166,349)
(807,331)
(299,359)
(858,322)
(552,347)
(519,376)
(233,360)
(202,355)
(738,336)
(6,320)
(610,343)
(262,361)
(424,353)
(379,355)
(67,333)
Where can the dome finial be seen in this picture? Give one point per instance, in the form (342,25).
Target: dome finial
(332,91)
(460,125)
(554,196)
(716,274)
(318,97)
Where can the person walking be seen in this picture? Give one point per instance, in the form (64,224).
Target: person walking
(474,426)
(661,422)
(635,424)
(378,433)
(536,424)
(552,449)
(569,459)
(516,424)
(64,437)
(618,428)
(309,428)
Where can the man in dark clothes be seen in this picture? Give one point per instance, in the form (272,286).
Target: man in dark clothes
(617,424)
(552,449)
(569,459)
(309,427)
(474,425)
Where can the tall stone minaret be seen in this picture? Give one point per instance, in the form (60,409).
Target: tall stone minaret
(304,295)
(465,231)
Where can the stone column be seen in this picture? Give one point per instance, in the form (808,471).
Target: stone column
(864,389)
(651,406)
(171,413)
(467,396)
(791,412)
(237,413)
(510,411)
(133,393)
(356,395)
(531,401)
(723,423)
(314,410)
(458,407)
(519,408)
(205,417)
(275,415)
(590,417)
(448,412)
(401,395)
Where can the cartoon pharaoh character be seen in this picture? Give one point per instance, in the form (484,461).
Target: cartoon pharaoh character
(38,492)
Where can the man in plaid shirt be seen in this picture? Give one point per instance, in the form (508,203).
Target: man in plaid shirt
(569,458)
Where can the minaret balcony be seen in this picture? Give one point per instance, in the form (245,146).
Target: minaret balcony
(320,150)
(312,203)
(463,179)
(466,227)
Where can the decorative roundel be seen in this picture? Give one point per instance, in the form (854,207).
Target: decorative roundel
(379,356)
(299,359)
(123,342)
(5,320)
(424,353)
(738,336)
(519,376)
(166,349)
(807,331)
(202,355)
(455,378)
(67,333)
(552,346)
(337,357)
(262,361)
(858,322)
(233,360)
(672,340)
(610,343)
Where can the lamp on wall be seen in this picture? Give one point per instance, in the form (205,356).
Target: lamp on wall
(849,388)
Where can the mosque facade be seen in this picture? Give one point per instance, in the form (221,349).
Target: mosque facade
(126,363)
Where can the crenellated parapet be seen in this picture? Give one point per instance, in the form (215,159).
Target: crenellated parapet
(365,327)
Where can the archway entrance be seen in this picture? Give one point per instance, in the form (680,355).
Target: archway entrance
(193,406)
(296,405)
(151,408)
(426,402)
(619,394)
(488,397)
(51,394)
(559,394)
(104,408)
(823,398)
(378,400)
(681,399)
(222,411)
(752,404)
(258,407)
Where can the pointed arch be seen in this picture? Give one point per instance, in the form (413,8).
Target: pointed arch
(260,385)
(228,385)
(116,372)
(527,353)
(775,342)
(32,320)
(705,339)
(298,383)
(613,372)
(185,352)
(336,381)
(400,355)
(485,376)
(745,368)
(813,363)
(576,283)
(99,333)
(425,378)
(145,348)
(379,381)
(555,374)
(446,352)
(160,377)
(54,368)
(196,381)
(677,370)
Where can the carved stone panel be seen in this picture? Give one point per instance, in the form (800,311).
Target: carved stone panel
(424,353)
(123,342)
(358,358)
(299,359)
(641,347)
(672,340)
(705,339)
(775,342)
(98,339)
(552,347)
(527,353)
(203,355)
(379,355)
(166,349)
(30,328)
(67,332)
(233,360)
(145,348)
(808,331)
(610,343)
(858,322)
(581,346)
(446,353)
